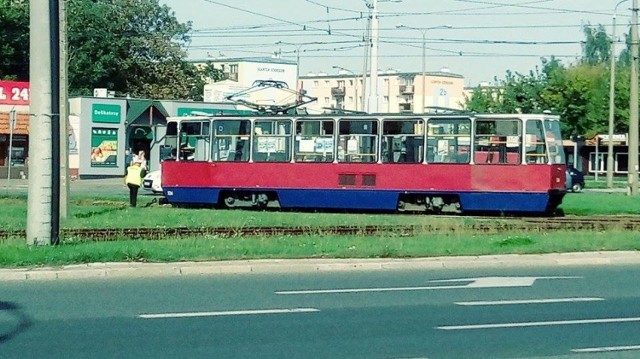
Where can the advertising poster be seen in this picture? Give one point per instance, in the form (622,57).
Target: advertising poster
(104,147)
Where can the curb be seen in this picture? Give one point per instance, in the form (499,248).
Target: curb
(184,269)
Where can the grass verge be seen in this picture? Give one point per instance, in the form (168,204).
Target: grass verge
(13,252)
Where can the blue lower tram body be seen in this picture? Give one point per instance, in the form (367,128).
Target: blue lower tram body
(374,200)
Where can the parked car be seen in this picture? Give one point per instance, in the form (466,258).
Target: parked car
(575,180)
(152,182)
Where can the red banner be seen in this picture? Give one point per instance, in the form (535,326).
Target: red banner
(14,93)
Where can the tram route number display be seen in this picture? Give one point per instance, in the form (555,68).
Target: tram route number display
(14,93)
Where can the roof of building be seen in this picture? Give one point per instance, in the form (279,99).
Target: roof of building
(383,74)
(262,60)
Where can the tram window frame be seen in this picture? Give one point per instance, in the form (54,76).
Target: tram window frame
(553,138)
(356,142)
(314,141)
(496,142)
(269,144)
(535,144)
(402,140)
(194,140)
(448,140)
(231,140)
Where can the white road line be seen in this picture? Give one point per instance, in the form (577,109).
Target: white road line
(606,349)
(538,324)
(530,301)
(227,313)
(475,283)
(364,290)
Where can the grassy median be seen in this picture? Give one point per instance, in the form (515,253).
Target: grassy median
(113,213)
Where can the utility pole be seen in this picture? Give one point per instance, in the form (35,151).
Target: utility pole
(373,69)
(633,114)
(612,94)
(40,156)
(64,114)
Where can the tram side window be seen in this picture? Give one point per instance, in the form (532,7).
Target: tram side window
(168,150)
(402,141)
(272,141)
(194,141)
(358,140)
(554,141)
(231,140)
(448,140)
(498,141)
(535,148)
(314,141)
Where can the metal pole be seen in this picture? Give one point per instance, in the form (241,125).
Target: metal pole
(54,45)
(612,93)
(424,70)
(64,115)
(373,94)
(633,113)
(597,161)
(12,125)
(612,85)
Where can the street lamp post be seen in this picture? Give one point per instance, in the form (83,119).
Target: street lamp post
(632,178)
(424,56)
(355,84)
(612,94)
(297,46)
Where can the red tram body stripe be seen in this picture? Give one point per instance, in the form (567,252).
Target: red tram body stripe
(405,177)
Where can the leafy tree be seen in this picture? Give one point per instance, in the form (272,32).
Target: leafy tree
(596,48)
(14,40)
(133,47)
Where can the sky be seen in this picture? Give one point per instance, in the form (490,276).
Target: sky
(478,39)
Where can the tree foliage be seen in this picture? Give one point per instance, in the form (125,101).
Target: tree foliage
(132,47)
(14,40)
(578,93)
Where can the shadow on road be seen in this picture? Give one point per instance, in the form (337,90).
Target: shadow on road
(23,321)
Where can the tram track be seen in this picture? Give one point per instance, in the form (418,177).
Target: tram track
(485,225)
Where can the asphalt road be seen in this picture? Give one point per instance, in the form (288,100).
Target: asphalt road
(497,312)
(103,186)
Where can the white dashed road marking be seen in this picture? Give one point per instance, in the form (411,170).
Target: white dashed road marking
(227,313)
(530,301)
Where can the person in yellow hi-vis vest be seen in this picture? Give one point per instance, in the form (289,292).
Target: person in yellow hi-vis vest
(133,180)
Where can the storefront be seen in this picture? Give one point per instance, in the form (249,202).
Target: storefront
(14,129)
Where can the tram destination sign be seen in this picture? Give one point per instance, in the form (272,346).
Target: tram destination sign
(14,93)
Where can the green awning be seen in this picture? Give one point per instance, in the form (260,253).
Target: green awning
(137,108)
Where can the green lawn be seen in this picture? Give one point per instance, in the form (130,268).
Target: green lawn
(113,212)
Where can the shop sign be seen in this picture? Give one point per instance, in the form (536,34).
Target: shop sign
(104,113)
(104,147)
(14,93)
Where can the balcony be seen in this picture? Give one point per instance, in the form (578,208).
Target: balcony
(337,91)
(406,89)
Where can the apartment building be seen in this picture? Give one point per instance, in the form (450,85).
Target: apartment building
(398,92)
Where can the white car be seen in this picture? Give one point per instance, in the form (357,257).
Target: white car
(152,182)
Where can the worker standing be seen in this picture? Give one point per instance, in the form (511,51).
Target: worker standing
(133,180)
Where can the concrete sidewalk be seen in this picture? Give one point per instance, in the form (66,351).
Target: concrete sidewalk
(181,269)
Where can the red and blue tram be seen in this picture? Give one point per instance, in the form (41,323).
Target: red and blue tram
(435,163)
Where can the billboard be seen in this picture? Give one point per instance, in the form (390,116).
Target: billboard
(14,93)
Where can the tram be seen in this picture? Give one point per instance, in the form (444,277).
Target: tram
(437,163)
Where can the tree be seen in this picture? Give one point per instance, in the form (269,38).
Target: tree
(14,40)
(596,48)
(132,47)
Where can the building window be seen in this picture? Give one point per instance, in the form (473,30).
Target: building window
(233,69)
(326,101)
(351,83)
(315,84)
(350,99)
(385,99)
